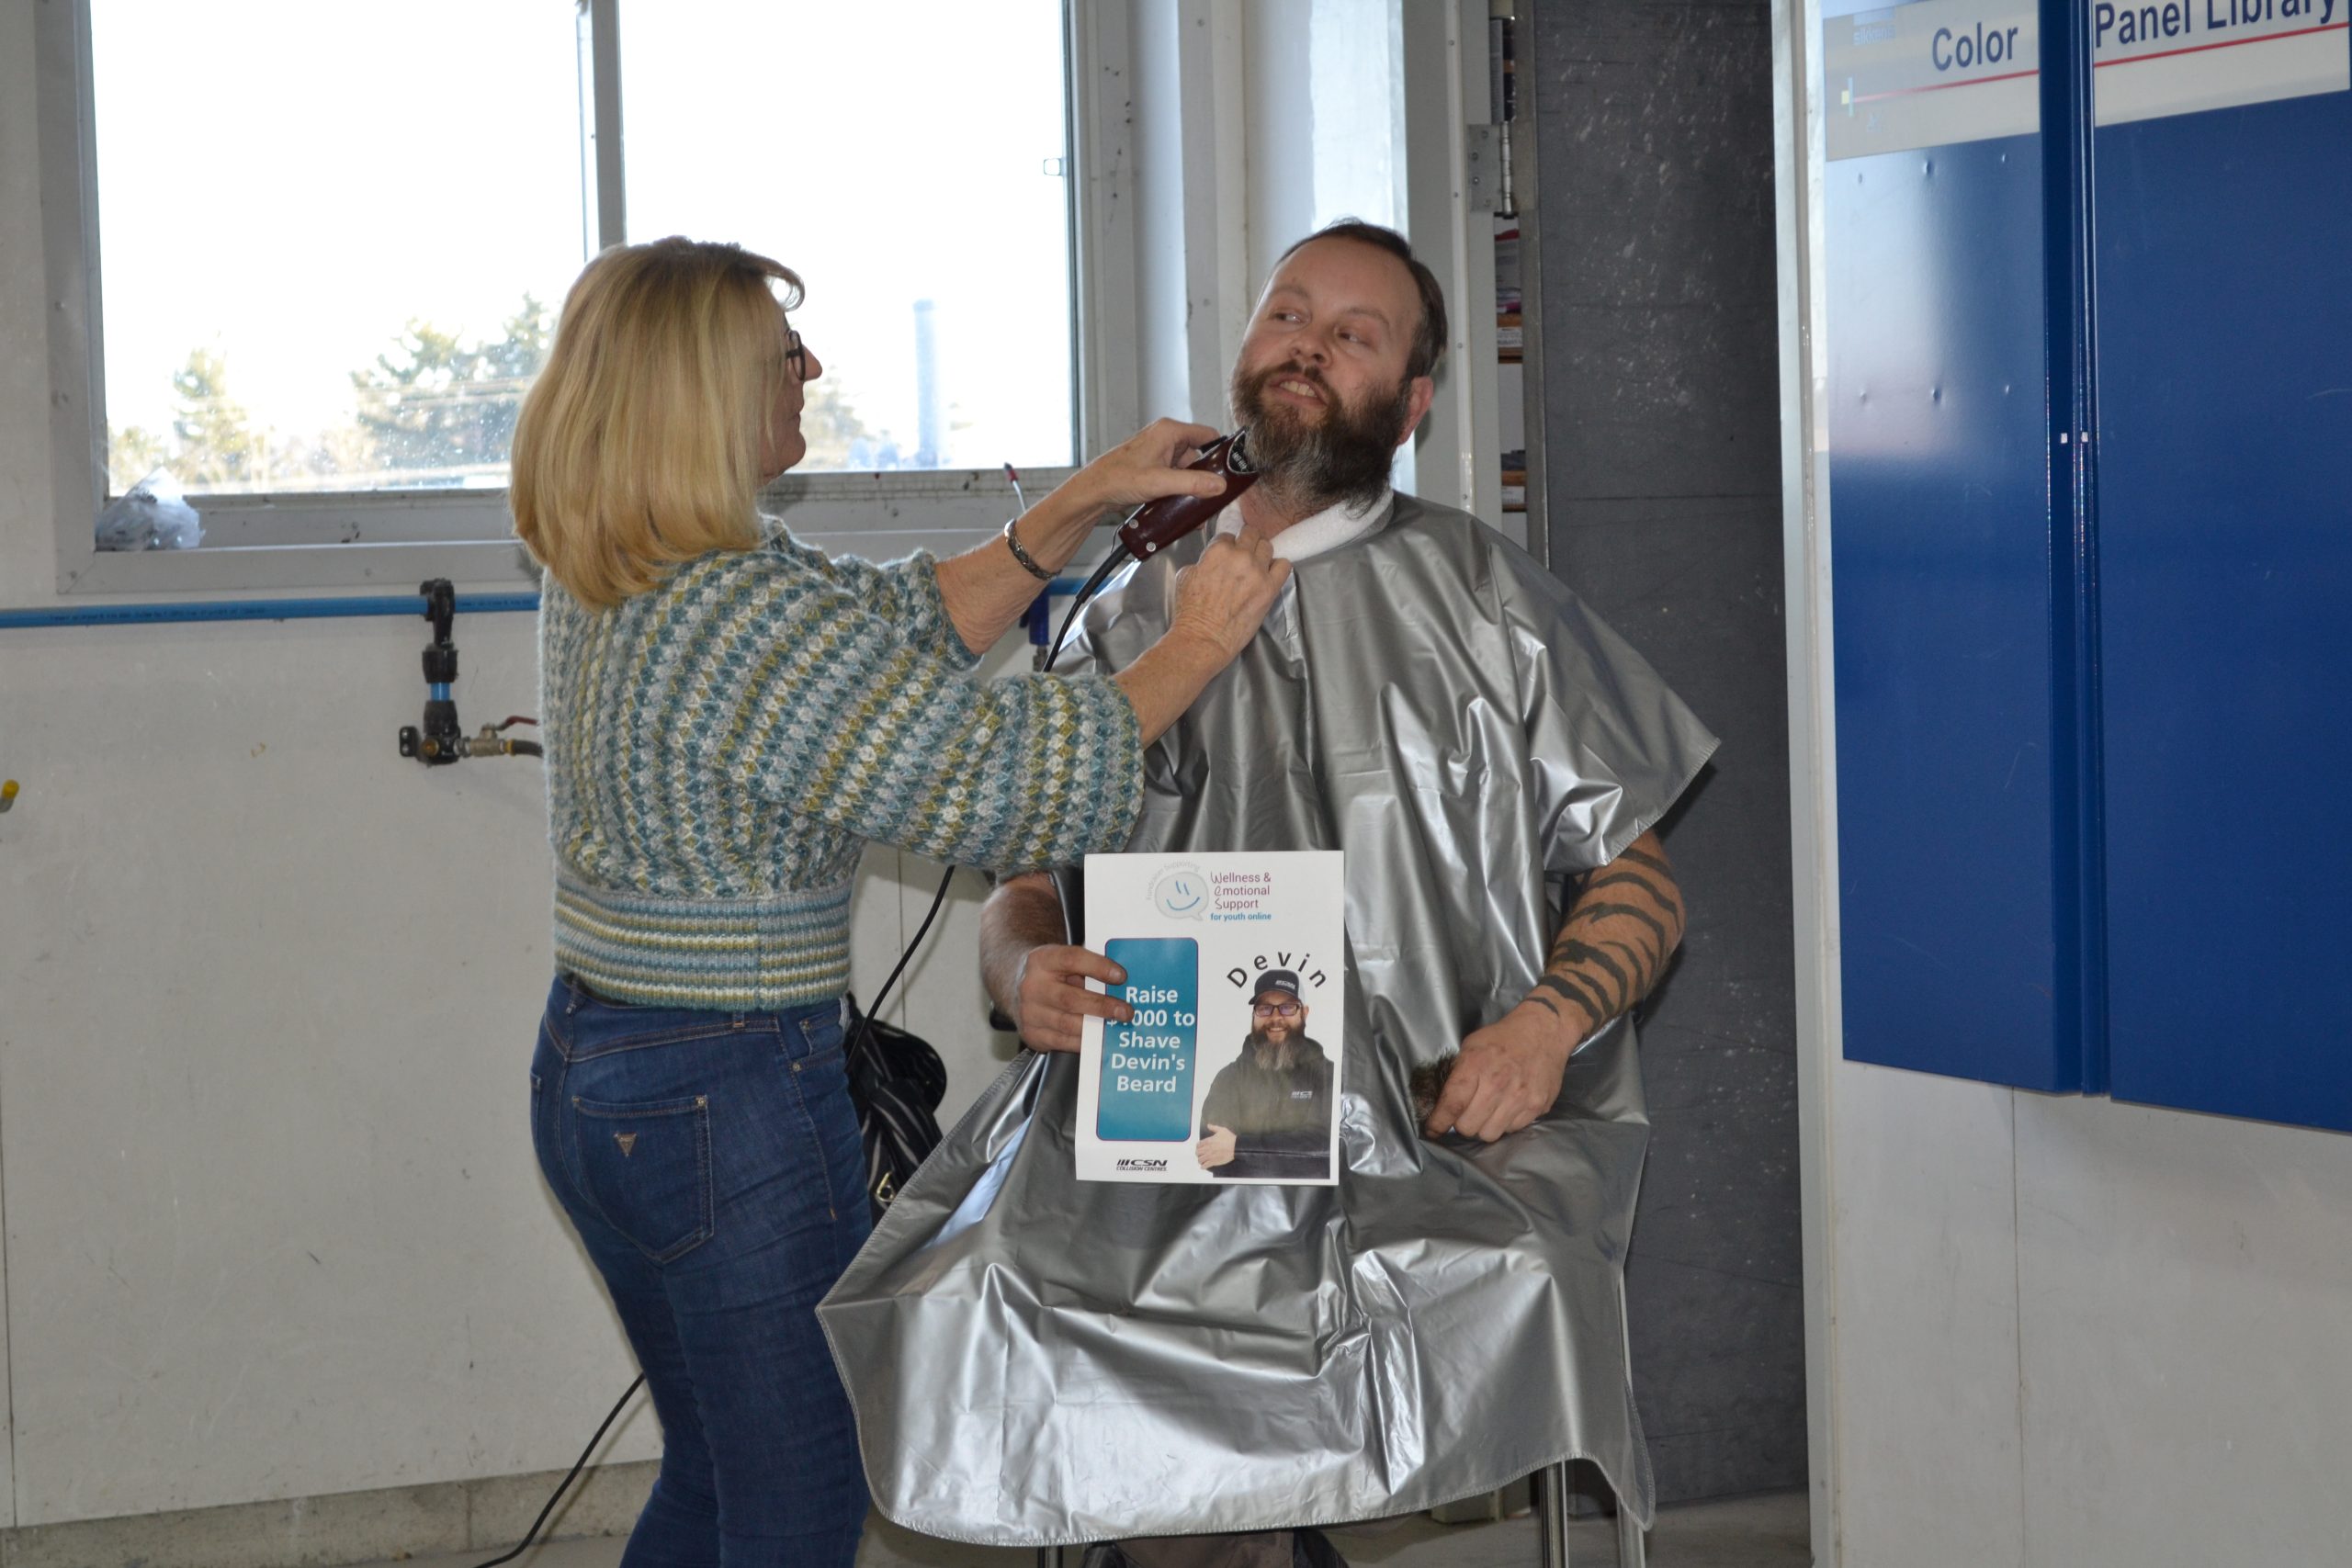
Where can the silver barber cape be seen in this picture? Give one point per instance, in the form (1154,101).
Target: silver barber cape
(1038,1360)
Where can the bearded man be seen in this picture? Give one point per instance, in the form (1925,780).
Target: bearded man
(1039,1360)
(1268,1113)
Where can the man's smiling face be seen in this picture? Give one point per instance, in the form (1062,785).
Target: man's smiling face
(1321,379)
(1277,1016)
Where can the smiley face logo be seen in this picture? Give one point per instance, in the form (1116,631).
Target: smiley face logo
(1181,893)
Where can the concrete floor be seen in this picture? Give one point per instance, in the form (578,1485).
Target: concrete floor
(1745,1533)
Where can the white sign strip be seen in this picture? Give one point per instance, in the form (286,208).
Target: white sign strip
(1946,71)
(1932,74)
(2184,56)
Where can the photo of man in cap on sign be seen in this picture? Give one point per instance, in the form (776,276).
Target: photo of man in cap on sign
(1269,1113)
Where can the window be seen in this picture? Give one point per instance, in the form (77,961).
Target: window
(322,249)
(908,161)
(332,238)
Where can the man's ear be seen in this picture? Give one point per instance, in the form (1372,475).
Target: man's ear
(1424,393)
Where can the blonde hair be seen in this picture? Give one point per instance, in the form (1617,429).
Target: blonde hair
(638,446)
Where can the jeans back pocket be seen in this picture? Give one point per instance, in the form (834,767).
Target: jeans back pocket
(646,1167)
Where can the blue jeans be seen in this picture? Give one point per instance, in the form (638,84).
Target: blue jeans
(711,1164)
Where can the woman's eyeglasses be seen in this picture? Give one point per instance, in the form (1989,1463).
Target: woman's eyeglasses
(796,354)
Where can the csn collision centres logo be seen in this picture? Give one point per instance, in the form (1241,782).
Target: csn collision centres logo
(1181,893)
(1143,1165)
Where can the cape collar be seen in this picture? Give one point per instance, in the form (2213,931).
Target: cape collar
(1326,531)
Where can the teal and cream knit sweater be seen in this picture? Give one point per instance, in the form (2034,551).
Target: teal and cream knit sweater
(721,748)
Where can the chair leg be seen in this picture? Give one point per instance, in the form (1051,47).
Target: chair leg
(1552,1513)
(1050,1557)
(1632,1550)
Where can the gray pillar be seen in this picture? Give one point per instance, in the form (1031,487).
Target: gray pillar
(1662,472)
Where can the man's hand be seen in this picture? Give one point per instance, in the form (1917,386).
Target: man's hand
(1508,1075)
(1216,1149)
(1050,1003)
(1610,951)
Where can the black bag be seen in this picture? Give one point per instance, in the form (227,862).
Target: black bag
(896,1081)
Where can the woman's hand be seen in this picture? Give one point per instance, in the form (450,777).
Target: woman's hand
(1222,598)
(988,587)
(1146,466)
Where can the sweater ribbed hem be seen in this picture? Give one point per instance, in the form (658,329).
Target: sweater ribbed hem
(727,955)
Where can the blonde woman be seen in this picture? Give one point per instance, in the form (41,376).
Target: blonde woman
(730,717)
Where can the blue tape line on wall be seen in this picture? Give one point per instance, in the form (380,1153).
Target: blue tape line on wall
(255,610)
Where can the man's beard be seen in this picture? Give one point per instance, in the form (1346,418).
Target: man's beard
(1309,465)
(1274,1057)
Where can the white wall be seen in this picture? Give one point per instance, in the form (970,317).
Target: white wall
(1359,101)
(2072,1333)
(272,1224)
(1164,302)
(1279,54)
(274,1228)
(2043,1332)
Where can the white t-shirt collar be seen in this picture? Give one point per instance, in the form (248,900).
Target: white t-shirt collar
(1328,529)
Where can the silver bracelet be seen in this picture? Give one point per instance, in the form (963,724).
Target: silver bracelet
(1028,562)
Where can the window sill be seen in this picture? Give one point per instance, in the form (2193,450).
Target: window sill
(267,544)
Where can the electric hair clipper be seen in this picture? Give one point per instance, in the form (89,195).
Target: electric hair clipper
(1160,524)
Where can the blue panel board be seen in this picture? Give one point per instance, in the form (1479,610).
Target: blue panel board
(1954,808)
(2225,529)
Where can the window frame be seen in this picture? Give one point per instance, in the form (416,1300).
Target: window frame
(268,542)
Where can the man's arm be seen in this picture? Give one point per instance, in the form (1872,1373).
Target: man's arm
(1612,949)
(1218,1143)
(1036,979)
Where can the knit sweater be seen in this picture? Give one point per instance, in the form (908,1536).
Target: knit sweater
(722,748)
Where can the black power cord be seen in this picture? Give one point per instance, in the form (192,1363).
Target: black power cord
(865,1020)
(578,1466)
(1093,586)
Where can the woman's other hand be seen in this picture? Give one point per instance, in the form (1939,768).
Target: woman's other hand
(1222,598)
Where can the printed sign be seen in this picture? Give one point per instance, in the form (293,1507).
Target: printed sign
(2184,56)
(1946,71)
(1146,1094)
(1930,74)
(1228,1069)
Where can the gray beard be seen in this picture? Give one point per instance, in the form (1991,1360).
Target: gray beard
(1273,1057)
(1305,469)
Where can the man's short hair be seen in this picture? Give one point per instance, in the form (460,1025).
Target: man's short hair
(1428,341)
